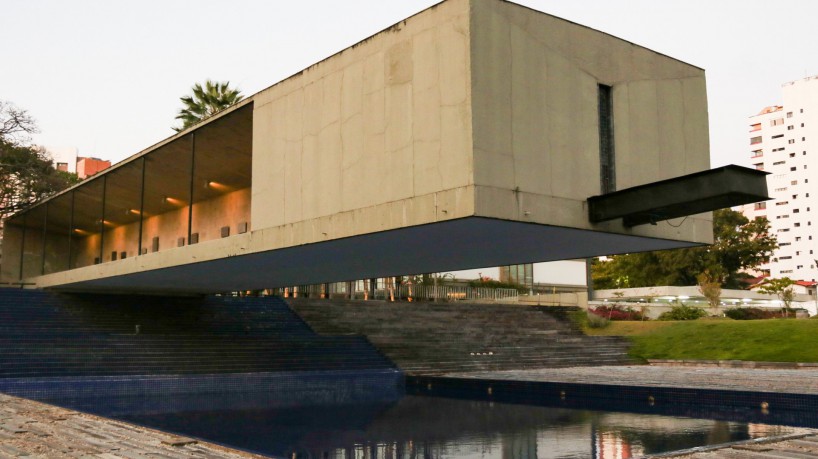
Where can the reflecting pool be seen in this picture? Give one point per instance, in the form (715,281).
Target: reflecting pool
(330,421)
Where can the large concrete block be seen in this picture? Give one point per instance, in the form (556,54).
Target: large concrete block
(470,111)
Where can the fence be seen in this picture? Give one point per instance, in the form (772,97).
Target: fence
(403,292)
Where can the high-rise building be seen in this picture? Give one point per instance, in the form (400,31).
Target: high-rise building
(784,142)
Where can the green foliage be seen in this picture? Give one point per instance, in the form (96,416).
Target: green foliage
(739,244)
(491,283)
(756,313)
(596,321)
(709,283)
(588,320)
(206,101)
(27,174)
(433,279)
(781,288)
(758,340)
(683,312)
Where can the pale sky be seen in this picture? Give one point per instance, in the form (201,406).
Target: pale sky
(106,76)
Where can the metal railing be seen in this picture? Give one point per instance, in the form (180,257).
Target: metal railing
(403,292)
(450,293)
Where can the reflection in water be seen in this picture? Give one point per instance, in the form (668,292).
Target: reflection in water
(418,427)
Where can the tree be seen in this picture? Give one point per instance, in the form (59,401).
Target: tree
(710,287)
(206,101)
(16,125)
(26,171)
(782,288)
(739,244)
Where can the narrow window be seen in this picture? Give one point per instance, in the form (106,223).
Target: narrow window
(607,163)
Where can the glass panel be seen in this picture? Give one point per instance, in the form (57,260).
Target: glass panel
(85,245)
(167,191)
(607,159)
(13,233)
(33,242)
(12,238)
(57,241)
(222,177)
(122,211)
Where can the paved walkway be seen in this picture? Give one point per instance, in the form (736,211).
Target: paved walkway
(757,380)
(803,446)
(37,430)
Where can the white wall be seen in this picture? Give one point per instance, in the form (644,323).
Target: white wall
(568,272)
(64,155)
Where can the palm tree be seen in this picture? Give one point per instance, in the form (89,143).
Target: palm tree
(206,102)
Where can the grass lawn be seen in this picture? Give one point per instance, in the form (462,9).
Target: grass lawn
(775,340)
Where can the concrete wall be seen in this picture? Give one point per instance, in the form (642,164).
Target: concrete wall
(535,118)
(470,108)
(376,137)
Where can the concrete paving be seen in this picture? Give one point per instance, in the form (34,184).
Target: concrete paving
(790,381)
(36,430)
(803,446)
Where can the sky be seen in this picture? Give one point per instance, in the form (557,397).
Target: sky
(106,76)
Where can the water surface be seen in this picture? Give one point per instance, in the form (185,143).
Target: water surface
(435,427)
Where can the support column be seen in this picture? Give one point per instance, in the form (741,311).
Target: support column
(102,221)
(192,176)
(71,227)
(141,207)
(589,278)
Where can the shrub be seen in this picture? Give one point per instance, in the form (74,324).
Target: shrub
(595,321)
(755,313)
(617,312)
(585,319)
(683,312)
(490,283)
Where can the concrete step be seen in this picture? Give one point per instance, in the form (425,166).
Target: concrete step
(437,338)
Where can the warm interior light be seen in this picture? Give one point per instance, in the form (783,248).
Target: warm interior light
(81,232)
(174,201)
(218,186)
(133,211)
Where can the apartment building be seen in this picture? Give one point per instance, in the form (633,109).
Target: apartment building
(783,142)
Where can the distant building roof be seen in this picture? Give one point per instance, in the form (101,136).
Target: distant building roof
(770,109)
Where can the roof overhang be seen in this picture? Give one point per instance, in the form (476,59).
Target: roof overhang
(691,194)
(472,242)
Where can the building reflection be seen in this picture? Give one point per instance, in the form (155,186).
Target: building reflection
(294,424)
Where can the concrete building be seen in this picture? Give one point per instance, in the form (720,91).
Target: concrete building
(474,133)
(87,166)
(784,142)
(64,158)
